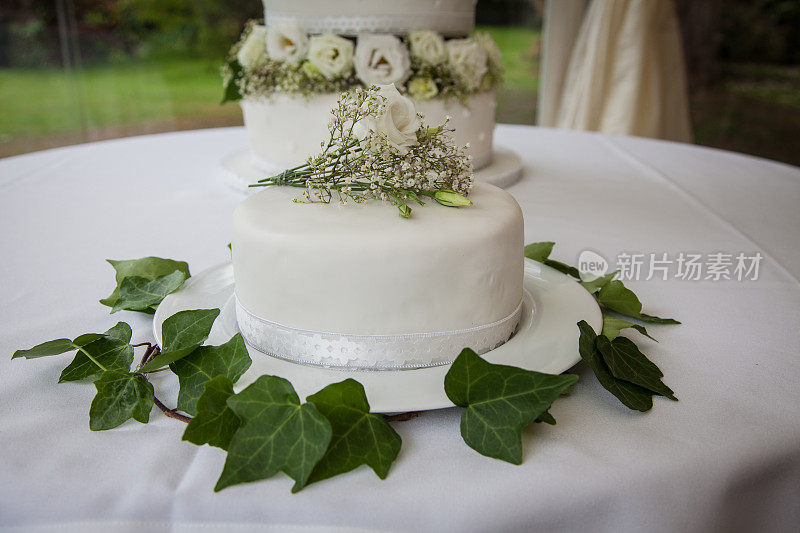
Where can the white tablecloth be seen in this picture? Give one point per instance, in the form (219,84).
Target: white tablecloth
(726,456)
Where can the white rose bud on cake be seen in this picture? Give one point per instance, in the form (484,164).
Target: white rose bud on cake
(397,120)
(254,49)
(381,59)
(427,46)
(287,42)
(468,59)
(422,88)
(332,55)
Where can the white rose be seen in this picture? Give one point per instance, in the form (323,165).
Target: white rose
(427,46)
(467,58)
(332,55)
(397,120)
(381,59)
(253,51)
(491,48)
(287,42)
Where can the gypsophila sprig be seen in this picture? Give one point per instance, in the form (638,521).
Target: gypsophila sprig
(379,148)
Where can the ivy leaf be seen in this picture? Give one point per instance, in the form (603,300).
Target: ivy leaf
(278,434)
(231,93)
(145,267)
(230,360)
(120,396)
(499,401)
(612,327)
(632,396)
(596,284)
(214,422)
(612,294)
(359,437)
(563,268)
(87,338)
(56,347)
(539,251)
(616,296)
(625,361)
(546,418)
(112,350)
(46,349)
(619,298)
(181,334)
(140,294)
(656,320)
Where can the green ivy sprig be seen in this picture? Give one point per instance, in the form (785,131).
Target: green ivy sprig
(619,365)
(265,428)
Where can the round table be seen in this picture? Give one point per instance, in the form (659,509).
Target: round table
(726,456)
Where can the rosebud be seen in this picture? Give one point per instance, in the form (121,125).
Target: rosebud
(451,198)
(422,88)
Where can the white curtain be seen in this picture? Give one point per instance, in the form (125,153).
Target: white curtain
(614,66)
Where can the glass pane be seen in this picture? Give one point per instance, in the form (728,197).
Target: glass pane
(517,29)
(76,71)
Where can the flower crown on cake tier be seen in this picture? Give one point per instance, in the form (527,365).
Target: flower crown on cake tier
(285,58)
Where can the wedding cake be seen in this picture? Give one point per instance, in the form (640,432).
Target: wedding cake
(355,286)
(327,273)
(288,72)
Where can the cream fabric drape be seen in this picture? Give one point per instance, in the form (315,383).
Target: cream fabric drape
(614,66)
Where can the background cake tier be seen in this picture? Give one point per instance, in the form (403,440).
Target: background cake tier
(286,129)
(351,17)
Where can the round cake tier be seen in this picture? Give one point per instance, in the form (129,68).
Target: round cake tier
(351,17)
(306,270)
(285,130)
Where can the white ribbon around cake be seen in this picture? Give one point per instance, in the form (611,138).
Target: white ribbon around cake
(370,352)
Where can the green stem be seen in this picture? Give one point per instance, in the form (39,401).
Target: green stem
(288,184)
(157,370)
(304,171)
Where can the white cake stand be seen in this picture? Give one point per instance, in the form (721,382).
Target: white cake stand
(504,170)
(546,339)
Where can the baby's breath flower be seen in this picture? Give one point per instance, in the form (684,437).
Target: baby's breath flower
(367,164)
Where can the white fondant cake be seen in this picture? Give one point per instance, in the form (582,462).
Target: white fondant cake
(286,129)
(357,286)
(294,66)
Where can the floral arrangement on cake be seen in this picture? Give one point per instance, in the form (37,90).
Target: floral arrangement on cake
(379,148)
(422,64)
